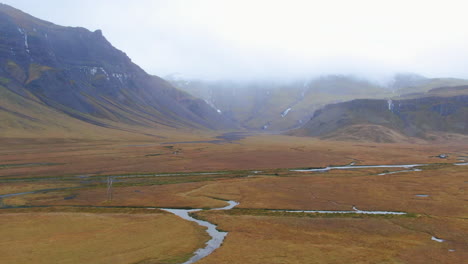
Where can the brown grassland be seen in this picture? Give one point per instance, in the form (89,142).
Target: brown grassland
(97,237)
(69,218)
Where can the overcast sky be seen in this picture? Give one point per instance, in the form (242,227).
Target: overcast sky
(280,39)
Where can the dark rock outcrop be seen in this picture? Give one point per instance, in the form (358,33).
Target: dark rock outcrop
(81,74)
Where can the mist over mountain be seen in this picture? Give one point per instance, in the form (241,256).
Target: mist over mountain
(276,40)
(276,106)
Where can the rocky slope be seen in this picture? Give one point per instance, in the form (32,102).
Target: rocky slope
(80,74)
(416,117)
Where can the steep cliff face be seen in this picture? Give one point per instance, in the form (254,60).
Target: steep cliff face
(411,117)
(80,73)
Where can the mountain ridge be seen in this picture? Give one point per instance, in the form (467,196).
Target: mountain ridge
(280,106)
(81,74)
(418,116)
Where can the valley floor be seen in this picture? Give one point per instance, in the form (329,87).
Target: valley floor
(57,205)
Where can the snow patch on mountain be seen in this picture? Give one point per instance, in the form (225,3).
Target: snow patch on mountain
(285,112)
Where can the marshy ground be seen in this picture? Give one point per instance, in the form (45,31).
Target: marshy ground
(66,213)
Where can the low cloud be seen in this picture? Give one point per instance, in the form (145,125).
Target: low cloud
(275,39)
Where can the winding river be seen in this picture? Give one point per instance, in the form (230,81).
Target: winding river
(217,237)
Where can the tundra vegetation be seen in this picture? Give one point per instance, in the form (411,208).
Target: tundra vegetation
(65,204)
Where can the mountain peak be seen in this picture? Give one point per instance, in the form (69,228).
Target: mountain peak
(80,73)
(21,18)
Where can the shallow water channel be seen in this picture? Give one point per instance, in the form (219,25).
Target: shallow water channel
(217,237)
(348,167)
(354,211)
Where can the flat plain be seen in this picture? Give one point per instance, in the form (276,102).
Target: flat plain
(64,202)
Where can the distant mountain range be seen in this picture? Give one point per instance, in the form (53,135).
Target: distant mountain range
(280,106)
(77,75)
(57,81)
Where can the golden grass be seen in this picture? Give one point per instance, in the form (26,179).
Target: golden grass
(340,190)
(174,195)
(35,71)
(254,239)
(96,238)
(18,187)
(258,152)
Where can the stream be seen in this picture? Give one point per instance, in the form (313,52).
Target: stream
(217,237)
(400,171)
(347,167)
(354,211)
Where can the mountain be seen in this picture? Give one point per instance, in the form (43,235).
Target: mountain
(63,80)
(77,74)
(403,84)
(405,80)
(392,120)
(278,106)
